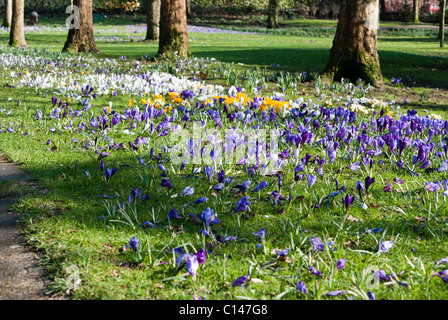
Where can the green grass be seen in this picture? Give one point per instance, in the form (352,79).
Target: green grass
(65,218)
(418,59)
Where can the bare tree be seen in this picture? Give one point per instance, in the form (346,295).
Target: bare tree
(415,11)
(80,37)
(188,4)
(273,9)
(152,19)
(354,53)
(442,22)
(173,29)
(382,8)
(17,33)
(8,14)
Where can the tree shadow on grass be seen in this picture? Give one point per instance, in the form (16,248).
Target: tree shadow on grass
(427,71)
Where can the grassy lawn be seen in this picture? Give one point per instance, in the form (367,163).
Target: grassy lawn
(82,217)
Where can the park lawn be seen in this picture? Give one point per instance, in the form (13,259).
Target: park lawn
(424,61)
(64,218)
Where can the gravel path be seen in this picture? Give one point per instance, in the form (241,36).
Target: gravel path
(21,278)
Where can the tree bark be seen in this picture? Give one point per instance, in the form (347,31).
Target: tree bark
(152,19)
(442,22)
(415,11)
(80,39)
(173,29)
(17,33)
(7,19)
(273,9)
(354,53)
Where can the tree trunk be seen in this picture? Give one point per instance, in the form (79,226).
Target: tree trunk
(152,19)
(188,4)
(173,29)
(7,19)
(273,8)
(415,11)
(17,33)
(382,8)
(442,22)
(80,38)
(354,53)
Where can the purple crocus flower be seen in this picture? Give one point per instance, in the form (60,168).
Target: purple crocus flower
(282,253)
(300,286)
(298,168)
(371,295)
(316,272)
(261,234)
(134,244)
(109,173)
(197,297)
(200,200)
(443,275)
(165,183)
(260,186)
(219,186)
(347,201)
(279,181)
(341,263)
(425,164)
(205,232)
(239,281)
(368,182)
(277,197)
(192,264)
(201,255)
(331,245)
(374,230)
(173,214)
(242,205)
(208,216)
(354,166)
(360,187)
(147,225)
(317,244)
(336,293)
(444,260)
(220,239)
(188,191)
(432,186)
(221,175)
(209,171)
(311,180)
(243,187)
(385,246)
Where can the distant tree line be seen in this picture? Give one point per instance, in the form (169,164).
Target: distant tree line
(394,10)
(98,6)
